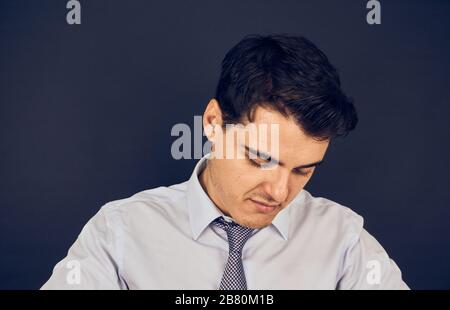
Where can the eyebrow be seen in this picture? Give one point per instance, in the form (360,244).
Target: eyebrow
(267,157)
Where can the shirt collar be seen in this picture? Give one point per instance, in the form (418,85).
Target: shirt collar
(202,211)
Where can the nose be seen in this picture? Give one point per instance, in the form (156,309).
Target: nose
(279,185)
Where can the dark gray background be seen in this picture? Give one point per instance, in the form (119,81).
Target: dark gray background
(86,113)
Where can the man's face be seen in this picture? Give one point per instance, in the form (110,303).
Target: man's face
(251,195)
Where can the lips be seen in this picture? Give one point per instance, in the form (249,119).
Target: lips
(264,204)
(263,207)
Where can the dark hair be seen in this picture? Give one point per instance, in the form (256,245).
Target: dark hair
(289,74)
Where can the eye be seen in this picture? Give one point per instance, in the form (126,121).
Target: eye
(261,165)
(254,163)
(303,172)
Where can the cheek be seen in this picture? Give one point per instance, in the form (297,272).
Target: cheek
(240,179)
(297,186)
(251,183)
(295,190)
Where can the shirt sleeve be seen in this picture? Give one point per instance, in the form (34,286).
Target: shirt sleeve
(93,261)
(367,266)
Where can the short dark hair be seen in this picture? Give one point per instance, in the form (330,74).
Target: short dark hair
(289,74)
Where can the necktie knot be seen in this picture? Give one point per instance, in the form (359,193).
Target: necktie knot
(237,234)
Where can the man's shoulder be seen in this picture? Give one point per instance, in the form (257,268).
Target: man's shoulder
(149,200)
(328,214)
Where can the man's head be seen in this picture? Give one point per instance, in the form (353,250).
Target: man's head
(272,80)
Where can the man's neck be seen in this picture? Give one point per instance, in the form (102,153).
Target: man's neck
(208,186)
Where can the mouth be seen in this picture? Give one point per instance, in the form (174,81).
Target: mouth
(263,207)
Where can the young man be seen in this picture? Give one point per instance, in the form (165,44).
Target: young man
(243,221)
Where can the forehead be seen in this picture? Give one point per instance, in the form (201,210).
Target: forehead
(294,144)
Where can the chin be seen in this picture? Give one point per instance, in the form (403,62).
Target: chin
(255,221)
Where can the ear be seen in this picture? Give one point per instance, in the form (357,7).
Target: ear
(212,118)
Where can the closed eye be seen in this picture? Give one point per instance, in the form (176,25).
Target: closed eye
(254,163)
(302,172)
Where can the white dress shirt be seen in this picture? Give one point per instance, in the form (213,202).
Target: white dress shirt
(163,238)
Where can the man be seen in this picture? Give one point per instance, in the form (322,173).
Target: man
(243,221)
